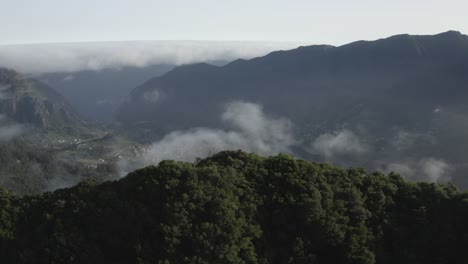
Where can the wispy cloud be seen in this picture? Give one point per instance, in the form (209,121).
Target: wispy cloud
(344,142)
(4,91)
(425,169)
(9,131)
(251,130)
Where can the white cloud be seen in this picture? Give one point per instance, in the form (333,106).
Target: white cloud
(403,169)
(68,78)
(153,96)
(251,131)
(3,91)
(405,140)
(425,169)
(8,131)
(434,169)
(343,142)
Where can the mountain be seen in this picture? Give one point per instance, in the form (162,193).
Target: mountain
(312,83)
(44,144)
(28,101)
(404,97)
(96,94)
(236,207)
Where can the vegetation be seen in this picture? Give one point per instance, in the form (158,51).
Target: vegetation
(28,168)
(236,207)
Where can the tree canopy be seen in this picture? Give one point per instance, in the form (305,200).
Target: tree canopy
(236,207)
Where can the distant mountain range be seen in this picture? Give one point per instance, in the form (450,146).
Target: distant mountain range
(405,97)
(316,84)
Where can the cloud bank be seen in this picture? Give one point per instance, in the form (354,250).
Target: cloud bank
(70,57)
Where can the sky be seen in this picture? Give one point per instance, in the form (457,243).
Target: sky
(333,22)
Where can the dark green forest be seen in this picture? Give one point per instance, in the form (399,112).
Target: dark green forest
(236,207)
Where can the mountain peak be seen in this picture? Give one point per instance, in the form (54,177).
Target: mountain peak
(450,33)
(446,34)
(29,101)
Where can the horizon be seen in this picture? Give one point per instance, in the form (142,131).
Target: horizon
(224,41)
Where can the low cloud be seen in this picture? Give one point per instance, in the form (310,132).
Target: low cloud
(405,140)
(404,169)
(9,131)
(344,142)
(70,57)
(68,78)
(153,96)
(60,182)
(4,91)
(250,130)
(434,169)
(425,169)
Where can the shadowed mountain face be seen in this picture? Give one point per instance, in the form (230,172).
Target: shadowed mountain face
(29,101)
(404,96)
(96,94)
(315,84)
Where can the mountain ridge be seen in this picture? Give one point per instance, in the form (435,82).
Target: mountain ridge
(385,55)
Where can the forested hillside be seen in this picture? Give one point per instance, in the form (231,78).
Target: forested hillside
(236,207)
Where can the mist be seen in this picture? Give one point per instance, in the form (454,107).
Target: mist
(250,129)
(71,57)
(344,142)
(9,131)
(426,169)
(4,91)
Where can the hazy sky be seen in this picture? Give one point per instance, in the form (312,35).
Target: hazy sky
(331,22)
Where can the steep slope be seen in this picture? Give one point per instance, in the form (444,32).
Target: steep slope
(43,143)
(28,101)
